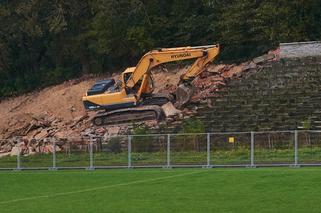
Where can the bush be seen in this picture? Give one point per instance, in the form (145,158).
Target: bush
(193,125)
(191,142)
(114,145)
(142,143)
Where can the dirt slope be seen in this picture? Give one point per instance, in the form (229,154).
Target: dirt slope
(63,102)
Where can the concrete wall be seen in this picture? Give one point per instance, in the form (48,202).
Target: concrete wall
(300,49)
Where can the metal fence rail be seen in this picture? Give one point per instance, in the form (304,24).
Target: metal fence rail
(205,150)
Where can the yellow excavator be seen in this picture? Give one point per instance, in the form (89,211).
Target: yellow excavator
(132,99)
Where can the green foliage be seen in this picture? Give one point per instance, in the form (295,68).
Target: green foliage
(141,142)
(114,145)
(194,141)
(307,124)
(46,42)
(140,130)
(193,125)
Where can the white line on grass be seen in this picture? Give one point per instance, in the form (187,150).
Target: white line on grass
(101,187)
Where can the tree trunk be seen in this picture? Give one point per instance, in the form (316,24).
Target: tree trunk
(85,64)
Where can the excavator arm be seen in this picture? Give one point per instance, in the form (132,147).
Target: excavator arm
(204,55)
(200,64)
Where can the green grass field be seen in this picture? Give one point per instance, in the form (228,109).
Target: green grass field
(162,190)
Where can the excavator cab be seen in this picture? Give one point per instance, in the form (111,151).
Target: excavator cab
(144,86)
(101,86)
(126,74)
(125,77)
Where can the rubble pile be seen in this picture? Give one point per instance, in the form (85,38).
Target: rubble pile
(57,111)
(20,146)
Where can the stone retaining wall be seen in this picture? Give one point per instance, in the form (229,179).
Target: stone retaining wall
(283,95)
(300,49)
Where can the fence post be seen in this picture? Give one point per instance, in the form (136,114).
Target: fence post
(129,148)
(18,159)
(296,148)
(54,157)
(252,150)
(208,150)
(91,155)
(168,151)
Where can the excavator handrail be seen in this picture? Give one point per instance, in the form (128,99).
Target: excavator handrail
(184,48)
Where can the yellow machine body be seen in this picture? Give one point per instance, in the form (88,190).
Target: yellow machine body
(136,82)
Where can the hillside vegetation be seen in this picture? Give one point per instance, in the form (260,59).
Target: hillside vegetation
(47,42)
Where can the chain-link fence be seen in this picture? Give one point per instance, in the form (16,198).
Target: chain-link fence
(207,150)
(230,149)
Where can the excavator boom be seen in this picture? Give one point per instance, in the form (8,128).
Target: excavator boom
(205,55)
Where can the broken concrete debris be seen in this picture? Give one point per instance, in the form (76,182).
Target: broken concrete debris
(170,110)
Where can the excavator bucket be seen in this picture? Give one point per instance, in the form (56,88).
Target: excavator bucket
(184,93)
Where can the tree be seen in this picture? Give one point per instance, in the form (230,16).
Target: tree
(119,28)
(46,42)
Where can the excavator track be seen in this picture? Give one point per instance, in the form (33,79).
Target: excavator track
(128,115)
(157,99)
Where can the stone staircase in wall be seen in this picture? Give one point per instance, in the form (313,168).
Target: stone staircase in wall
(283,95)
